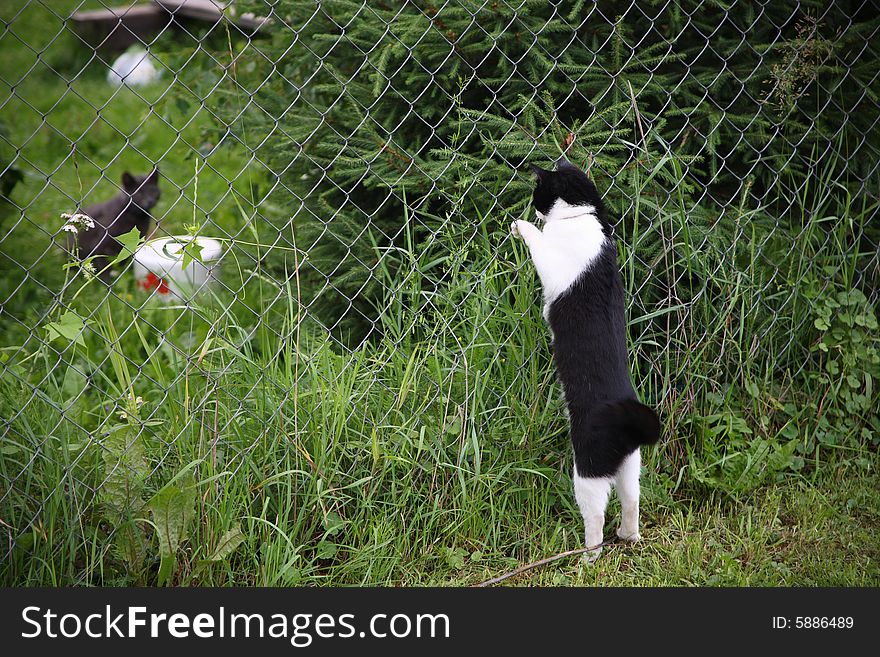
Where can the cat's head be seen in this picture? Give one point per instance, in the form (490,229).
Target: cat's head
(565,193)
(144,190)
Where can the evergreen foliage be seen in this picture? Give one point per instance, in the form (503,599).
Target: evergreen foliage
(363,107)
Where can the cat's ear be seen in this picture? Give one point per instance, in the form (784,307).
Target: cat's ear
(563,163)
(538,171)
(128,182)
(154,176)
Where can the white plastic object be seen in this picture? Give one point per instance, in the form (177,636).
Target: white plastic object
(159,271)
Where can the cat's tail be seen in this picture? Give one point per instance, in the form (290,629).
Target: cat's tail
(629,419)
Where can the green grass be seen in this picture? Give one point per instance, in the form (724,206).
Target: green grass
(237,443)
(808,532)
(373,475)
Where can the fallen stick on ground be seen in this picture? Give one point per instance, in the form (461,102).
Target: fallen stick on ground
(541,562)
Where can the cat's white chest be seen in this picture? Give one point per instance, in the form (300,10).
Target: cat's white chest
(572,245)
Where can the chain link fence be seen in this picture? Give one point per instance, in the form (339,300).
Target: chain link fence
(351,170)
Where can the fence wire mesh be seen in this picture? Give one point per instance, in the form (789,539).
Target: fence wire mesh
(358,165)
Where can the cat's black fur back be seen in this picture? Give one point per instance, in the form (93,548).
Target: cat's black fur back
(589,344)
(117,216)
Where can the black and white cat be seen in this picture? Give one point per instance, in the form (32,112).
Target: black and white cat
(576,259)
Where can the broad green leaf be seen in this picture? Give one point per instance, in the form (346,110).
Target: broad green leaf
(126,470)
(333,523)
(228,543)
(73,383)
(192,250)
(69,327)
(326,550)
(130,242)
(753,389)
(173,509)
(130,545)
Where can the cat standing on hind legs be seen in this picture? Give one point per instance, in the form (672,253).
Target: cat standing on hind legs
(576,259)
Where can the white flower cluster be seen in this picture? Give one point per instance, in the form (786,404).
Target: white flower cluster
(138,402)
(88,268)
(75,222)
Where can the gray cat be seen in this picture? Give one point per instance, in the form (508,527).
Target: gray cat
(117,216)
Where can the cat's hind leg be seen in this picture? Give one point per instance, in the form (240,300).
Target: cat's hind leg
(626,481)
(592,495)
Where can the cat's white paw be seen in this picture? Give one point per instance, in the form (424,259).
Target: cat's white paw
(628,536)
(514,229)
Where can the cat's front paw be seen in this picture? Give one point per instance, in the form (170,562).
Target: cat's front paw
(514,230)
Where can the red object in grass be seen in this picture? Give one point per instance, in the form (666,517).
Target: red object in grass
(154,282)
